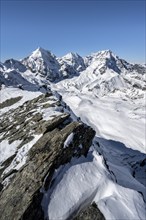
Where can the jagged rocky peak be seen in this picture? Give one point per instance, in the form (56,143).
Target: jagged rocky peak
(105,54)
(13,65)
(106,59)
(71,56)
(41,53)
(100,55)
(43,62)
(74,60)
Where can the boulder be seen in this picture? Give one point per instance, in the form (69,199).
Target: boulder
(90,213)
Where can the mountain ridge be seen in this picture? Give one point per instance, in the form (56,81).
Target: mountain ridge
(100,72)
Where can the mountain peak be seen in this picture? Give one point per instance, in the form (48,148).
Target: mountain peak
(105,54)
(43,62)
(71,55)
(74,60)
(40,52)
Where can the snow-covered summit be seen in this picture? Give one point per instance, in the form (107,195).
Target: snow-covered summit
(104,60)
(105,72)
(105,54)
(41,53)
(44,63)
(72,57)
(71,64)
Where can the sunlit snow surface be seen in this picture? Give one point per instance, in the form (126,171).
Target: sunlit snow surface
(107,174)
(113,116)
(11,92)
(84,180)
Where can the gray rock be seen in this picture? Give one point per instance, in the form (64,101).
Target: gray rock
(90,213)
(10,102)
(21,199)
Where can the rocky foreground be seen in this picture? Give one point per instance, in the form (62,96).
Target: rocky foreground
(43,144)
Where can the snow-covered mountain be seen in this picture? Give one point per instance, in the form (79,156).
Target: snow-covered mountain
(100,73)
(47,170)
(107,59)
(105,72)
(71,64)
(12,64)
(44,63)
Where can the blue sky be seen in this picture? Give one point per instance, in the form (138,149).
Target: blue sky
(77,26)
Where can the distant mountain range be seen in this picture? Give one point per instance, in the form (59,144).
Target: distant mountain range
(99,72)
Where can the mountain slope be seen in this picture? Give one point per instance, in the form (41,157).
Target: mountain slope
(71,64)
(111,99)
(106,73)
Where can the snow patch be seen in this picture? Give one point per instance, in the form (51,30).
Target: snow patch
(21,156)
(7,150)
(68,140)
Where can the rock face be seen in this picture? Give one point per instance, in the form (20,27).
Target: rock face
(14,64)
(9,102)
(22,182)
(90,213)
(15,79)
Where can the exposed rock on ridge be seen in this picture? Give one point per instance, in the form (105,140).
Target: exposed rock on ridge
(21,198)
(91,212)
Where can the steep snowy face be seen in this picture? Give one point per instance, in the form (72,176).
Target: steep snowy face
(99,73)
(74,60)
(14,79)
(104,60)
(71,64)
(107,73)
(14,65)
(13,73)
(44,63)
(2,67)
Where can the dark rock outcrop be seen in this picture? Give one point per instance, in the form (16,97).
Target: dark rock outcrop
(21,198)
(90,213)
(10,102)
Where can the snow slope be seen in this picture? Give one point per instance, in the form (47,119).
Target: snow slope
(112,174)
(112,117)
(104,97)
(7,93)
(85,180)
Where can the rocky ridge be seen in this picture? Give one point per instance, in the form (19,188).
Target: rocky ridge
(23,178)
